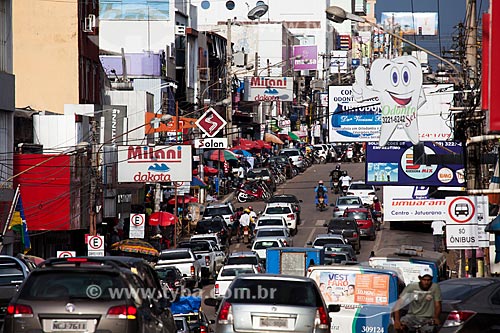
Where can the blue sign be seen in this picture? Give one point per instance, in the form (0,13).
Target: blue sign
(134,10)
(393,165)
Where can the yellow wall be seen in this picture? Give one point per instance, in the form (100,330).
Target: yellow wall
(45,35)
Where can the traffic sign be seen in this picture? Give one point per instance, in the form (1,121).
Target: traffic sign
(66,254)
(211,122)
(460,209)
(137,225)
(211,143)
(462,223)
(95,246)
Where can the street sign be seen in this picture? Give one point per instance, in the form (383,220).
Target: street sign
(95,247)
(461,223)
(66,254)
(211,143)
(211,122)
(137,225)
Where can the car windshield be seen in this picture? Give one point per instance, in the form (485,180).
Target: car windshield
(265,233)
(213,239)
(348,201)
(213,211)
(279,292)
(324,241)
(288,199)
(166,273)
(57,285)
(195,246)
(278,210)
(457,292)
(242,260)
(358,215)
(236,271)
(175,255)
(344,224)
(335,258)
(262,223)
(355,186)
(261,245)
(290,153)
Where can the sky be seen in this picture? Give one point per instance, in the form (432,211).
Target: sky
(450,13)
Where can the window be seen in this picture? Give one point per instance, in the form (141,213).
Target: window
(278,210)
(262,223)
(175,255)
(324,241)
(265,244)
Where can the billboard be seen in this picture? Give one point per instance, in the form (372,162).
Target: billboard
(134,10)
(112,122)
(338,62)
(154,164)
(308,55)
(393,165)
(266,89)
(352,121)
(423,23)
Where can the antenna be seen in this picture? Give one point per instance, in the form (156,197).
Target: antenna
(258,11)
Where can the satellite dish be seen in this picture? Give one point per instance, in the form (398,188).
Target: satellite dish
(257,12)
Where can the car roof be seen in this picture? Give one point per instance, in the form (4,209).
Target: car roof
(266,239)
(348,197)
(273,227)
(271,217)
(219,205)
(243,254)
(341,218)
(237,266)
(358,209)
(329,236)
(284,197)
(179,249)
(204,235)
(278,204)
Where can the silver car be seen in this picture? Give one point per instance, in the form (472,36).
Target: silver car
(272,303)
(281,233)
(343,202)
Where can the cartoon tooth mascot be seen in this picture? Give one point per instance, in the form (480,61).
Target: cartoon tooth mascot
(398,85)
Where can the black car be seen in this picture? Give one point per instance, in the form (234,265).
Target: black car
(470,305)
(171,277)
(13,272)
(347,227)
(215,225)
(288,198)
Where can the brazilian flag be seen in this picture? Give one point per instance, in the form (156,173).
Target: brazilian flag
(18,224)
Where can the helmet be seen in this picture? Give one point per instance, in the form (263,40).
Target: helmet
(250,208)
(344,173)
(337,167)
(246,210)
(320,182)
(375,199)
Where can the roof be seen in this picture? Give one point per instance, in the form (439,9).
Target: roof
(329,236)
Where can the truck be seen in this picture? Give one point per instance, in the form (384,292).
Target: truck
(208,254)
(293,260)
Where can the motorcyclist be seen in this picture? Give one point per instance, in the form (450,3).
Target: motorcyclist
(245,220)
(424,298)
(321,188)
(376,210)
(376,205)
(253,219)
(345,181)
(335,175)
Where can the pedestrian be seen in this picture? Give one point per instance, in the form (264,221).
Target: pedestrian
(437,233)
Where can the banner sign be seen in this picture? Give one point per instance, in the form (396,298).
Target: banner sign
(154,164)
(306,57)
(421,23)
(393,165)
(352,121)
(112,122)
(266,89)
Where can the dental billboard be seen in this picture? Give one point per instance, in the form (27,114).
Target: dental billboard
(352,121)
(393,165)
(267,89)
(154,164)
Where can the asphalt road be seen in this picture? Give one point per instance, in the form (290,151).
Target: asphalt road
(312,220)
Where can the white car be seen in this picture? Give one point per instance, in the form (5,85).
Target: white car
(322,239)
(285,210)
(260,245)
(323,151)
(270,222)
(362,190)
(281,233)
(227,275)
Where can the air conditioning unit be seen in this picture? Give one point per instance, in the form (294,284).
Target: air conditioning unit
(180,30)
(90,23)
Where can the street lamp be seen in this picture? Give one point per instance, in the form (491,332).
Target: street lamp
(338,15)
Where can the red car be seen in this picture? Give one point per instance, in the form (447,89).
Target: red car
(365,221)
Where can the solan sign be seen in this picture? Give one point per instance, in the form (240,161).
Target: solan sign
(211,143)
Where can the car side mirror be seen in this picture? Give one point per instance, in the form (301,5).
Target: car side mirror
(333,308)
(210,302)
(325,225)
(211,321)
(198,256)
(377,188)
(309,243)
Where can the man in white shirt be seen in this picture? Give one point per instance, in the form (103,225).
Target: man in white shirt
(438,233)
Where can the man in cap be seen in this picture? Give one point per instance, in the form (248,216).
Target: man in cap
(424,298)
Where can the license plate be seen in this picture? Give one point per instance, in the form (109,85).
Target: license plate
(69,325)
(274,322)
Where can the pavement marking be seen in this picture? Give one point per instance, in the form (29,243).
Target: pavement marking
(319,223)
(237,246)
(309,239)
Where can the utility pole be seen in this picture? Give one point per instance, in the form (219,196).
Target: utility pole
(93,179)
(229,60)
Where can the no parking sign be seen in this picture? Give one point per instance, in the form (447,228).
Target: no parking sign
(137,223)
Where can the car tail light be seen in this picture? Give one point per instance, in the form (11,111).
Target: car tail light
(285,243)
(336,209)
(207,260)
(321,318)
(122,312)
(350,193)
(77,260)
(457,318)
(259,269)
(203,329)
(300,158)
(192,270)
(177,283)
(225,314)
(355,234)
(20,310)
(216,288)
(231,218)
(291,216)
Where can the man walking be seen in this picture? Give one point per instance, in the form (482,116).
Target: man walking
(438,233)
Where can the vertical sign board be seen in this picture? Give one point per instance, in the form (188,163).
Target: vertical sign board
(482,213)
(95,246)
(137,223)
(461,223)
(66,254)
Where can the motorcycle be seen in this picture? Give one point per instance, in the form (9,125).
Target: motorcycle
(246,234)
(250,192)
(344,190)
(377,216)
(335,186)
(321,203)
